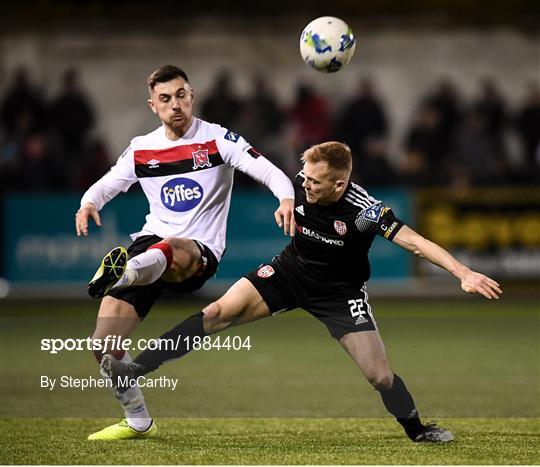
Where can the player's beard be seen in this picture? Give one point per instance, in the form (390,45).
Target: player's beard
(179,122)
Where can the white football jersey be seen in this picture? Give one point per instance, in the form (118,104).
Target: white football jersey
(188,182)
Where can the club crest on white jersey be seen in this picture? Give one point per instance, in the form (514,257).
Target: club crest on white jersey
(201,159)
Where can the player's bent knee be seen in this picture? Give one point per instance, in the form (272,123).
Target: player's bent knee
(182,246)
(382,381)
(185,258)
(214,318)
(211,318)
(212,311)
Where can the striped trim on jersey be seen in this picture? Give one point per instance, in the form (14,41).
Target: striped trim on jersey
(176,160)
(357,196)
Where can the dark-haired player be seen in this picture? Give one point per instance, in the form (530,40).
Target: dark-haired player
(185,168)
(324,269)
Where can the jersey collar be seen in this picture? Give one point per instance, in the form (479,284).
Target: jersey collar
(190,133)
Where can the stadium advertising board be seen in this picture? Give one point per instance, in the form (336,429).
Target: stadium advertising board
(42,249)
(493,230)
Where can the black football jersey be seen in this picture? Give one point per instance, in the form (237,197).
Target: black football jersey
(331,244)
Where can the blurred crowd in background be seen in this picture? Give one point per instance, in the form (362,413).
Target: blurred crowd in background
(51,144)
(48,145)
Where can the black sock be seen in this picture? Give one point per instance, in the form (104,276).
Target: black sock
(399,402)
(191,327)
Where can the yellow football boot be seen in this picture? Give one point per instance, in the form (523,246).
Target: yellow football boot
(122,430)
(111,269)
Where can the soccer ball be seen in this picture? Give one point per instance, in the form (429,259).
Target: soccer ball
(327,44)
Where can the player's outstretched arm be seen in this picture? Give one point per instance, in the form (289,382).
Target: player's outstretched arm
(285,216)
(86,211)
(471,281)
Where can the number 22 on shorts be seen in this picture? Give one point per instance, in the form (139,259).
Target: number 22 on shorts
(356,307)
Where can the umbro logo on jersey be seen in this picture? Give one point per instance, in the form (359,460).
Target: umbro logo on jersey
(201,159)
(153,164)
(300,209)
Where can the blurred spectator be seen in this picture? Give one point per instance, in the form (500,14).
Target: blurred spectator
(373,168)
(363,126)
(260,122)
(222,105)
(310,115)
(528,126)
(261,117)
(424,147)
(445,101)
(22,109)
(263,106)
(38,167)
(476,155)
(60,153)
(72,116)
(95,162)
(8,165)
(491,105)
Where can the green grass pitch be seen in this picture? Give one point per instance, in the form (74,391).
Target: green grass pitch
(294,398)
(270,441)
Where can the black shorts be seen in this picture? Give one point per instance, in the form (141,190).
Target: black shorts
(143,297)
(343,309)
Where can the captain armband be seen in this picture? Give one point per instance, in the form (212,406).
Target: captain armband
(388,225)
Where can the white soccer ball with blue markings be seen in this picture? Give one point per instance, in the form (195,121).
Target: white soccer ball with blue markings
(327,44)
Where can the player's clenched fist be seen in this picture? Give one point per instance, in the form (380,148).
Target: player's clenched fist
(81,218)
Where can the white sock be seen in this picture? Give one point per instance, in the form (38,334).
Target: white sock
(132,401)
(143,269)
